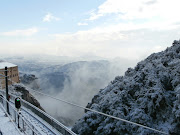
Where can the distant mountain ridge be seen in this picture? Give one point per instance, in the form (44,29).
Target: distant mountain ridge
(54,77)
(149,95)
(51,76)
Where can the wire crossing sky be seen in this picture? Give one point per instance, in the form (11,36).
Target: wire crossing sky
(105,28)
(88,109)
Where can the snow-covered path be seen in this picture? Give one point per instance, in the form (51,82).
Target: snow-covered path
(8,128)
(30,123)
(6,125)
(39,124)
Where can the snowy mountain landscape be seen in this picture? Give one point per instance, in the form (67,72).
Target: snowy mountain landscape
(148,94)
(76,81)
(96,67)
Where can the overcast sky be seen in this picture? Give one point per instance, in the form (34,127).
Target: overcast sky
(107,28)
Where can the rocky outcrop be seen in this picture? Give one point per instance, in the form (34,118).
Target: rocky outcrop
(25,94)
(148,94)
(29,80)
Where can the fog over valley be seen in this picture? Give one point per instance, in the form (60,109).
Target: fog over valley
(72,80)
(98,67)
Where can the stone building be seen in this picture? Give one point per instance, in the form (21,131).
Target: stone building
(13,74)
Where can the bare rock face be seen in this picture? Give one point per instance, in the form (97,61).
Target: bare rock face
(149,95)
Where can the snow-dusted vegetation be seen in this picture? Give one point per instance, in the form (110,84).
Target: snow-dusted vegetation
(149,95)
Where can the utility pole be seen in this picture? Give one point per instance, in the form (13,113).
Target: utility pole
(7,95)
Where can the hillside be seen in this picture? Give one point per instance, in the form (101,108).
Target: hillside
(23,92)
(149,95)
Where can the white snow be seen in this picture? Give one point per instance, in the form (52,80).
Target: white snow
(6,64)
(6,125)
(148,95)
(40,126)
(37,123)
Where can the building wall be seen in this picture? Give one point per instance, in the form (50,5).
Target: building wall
(13,75)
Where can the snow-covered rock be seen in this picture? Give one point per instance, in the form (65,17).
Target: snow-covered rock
(149,95)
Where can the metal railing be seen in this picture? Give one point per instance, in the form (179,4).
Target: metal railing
(17,129)
(23,124)
(43,115)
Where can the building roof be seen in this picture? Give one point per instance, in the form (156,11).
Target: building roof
(6,64)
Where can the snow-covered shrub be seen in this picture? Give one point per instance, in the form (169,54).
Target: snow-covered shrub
(149,95)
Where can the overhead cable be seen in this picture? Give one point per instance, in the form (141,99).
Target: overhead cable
(107,115)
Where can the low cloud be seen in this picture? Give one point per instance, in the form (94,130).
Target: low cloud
(138,9)
(49,17)
(82,24)
(22,32)
(81,86)
(150,2)
(124,39)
